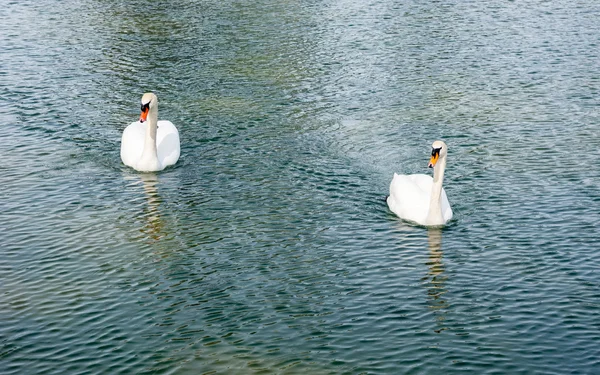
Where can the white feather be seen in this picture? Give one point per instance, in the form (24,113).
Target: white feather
(166,148)
(412,197)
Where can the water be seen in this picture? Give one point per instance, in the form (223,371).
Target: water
(268,248)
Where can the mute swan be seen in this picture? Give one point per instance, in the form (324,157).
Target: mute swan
(152,145)
(420,198)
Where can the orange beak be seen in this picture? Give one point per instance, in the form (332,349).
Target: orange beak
(434,159)
(144,114)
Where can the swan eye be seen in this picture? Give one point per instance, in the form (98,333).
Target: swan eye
(436,152)
(145,107)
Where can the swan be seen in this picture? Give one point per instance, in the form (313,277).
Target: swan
(149,145)
(420,198)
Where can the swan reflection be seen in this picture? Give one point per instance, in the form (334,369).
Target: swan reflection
(154,224)
(436,278)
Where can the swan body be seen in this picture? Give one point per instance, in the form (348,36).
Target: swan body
(420,198)
(149,145)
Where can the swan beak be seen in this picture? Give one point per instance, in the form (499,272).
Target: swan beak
(144,114)
(434,159)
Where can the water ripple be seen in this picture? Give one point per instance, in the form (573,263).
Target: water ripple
(269,248)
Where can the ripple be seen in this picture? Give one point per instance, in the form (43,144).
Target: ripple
(269,247)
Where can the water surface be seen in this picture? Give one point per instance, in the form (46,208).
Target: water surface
(268,248)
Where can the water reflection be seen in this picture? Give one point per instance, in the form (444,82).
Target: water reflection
(154,224)
(436,278)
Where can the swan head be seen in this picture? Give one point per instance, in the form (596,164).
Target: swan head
(438,151)
(149,101)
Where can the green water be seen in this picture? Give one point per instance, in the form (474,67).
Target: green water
(268,248)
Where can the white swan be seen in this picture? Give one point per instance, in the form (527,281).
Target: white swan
(420,198)
(152,145)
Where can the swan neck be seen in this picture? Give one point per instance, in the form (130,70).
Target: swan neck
(438,172)
(149,160)
(151,128)
(435,205)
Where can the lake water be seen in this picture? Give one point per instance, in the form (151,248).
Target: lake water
(268,248)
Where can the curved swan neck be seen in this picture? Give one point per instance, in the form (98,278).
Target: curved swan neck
(149,159)
(438,172)
(435,206)
(151,127)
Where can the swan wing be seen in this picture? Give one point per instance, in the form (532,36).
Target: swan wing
(167,143)
(423,182)
(132,143)
(409,196)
